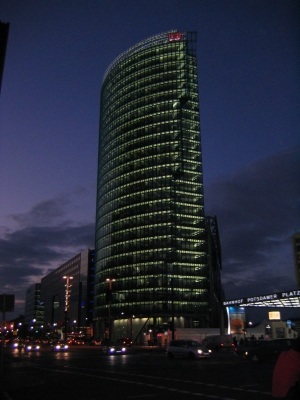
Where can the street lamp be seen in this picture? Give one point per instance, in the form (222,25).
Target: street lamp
(110,281)
(67,302)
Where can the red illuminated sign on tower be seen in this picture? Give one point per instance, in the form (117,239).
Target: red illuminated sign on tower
(174,36)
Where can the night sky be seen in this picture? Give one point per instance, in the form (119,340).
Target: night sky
(249,85)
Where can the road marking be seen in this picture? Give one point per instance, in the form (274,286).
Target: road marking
(152,385)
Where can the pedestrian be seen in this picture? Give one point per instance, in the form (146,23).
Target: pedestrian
(286,375)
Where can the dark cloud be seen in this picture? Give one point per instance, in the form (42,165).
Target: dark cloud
(258,211)
(42,242)
(44,213)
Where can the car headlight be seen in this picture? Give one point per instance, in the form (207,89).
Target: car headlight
(200,351)
(123,349)
(111,350)
(28,347)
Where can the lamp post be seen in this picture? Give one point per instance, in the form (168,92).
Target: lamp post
(110,281)
(67,303)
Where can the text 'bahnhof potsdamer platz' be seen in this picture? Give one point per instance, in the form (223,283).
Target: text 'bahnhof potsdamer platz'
(157,257)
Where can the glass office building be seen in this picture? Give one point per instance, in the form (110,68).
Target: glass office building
(151,247)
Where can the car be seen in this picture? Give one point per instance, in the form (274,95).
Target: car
(79,342)
(269,352)
(187,348)
(263,350)
(95,342)
(217,342)
(19,345)
(113,348)
(32,347)
(60,346)
(125,341)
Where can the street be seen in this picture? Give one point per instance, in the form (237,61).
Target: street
(83,373)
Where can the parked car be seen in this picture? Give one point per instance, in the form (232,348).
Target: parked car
(113,348)
(264,350)
(187,348)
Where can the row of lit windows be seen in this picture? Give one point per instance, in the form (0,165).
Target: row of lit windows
(151,97)
(143,193)
(152,64)
(159,173)
(145,190)
(143,242)
(149,255)
(153,268)
(143,87)
(159,166)
(165,110)
(167,113)
(136,224)
(181,73)
(144,152)
(144,108)
(137,108)
(138,150)
(117,233)
(135,211)
(136,203)
(178,282)
(148,308)
(151,218)
(147,116)
(162,53)
(142,178)
(111,263)
(121,184)
(153,296)
(167,54)
(160,92)
(144,204)
(188,184)
(142,138)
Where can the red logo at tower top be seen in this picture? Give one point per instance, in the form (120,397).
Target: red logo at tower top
(174,36)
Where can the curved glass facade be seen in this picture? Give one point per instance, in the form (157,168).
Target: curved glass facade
(150,225)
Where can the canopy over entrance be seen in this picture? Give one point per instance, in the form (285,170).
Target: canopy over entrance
(289,298)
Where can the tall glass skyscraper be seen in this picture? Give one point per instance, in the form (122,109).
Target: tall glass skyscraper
(151,240)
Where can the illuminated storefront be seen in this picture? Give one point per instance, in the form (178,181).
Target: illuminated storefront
(237,322)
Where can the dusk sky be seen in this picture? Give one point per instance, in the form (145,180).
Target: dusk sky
(249,86)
